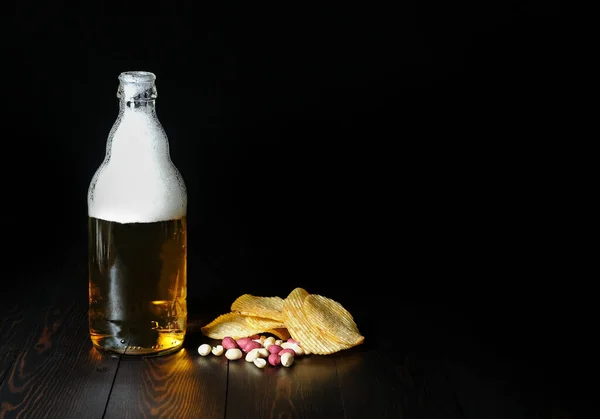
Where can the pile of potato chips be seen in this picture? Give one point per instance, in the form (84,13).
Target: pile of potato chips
(321,325)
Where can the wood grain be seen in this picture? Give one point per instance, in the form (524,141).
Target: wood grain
(58,374)
(12,334)
(22,306)
(307,389)
(181,385)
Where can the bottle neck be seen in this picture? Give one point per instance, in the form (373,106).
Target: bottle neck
(137,134)
(144,106)
(137,131)
(137,91)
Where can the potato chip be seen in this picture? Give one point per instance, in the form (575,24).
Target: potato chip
(267,307)
(263,322)
(282,333)
(310,335)
(330,316)
(238,325)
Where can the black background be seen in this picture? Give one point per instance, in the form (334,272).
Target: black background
(376,155)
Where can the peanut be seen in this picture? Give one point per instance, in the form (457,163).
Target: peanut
(287,359)
(256,353)
(242,341)
(217,350)
(233,354)
(274,359)
(204,349)
(252,355)
(260,362)
(274,349)
(229,343)
(286,351)
(251,345)
(269,341)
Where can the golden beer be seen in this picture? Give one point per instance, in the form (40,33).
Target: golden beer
(137,278)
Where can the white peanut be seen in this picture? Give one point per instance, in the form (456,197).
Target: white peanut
(204,349)
(260,362)
(287,359)
(252,355)
(269,341)
(217,350)
(233,354)
(256,353)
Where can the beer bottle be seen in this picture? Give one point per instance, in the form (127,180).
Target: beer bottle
(137,203)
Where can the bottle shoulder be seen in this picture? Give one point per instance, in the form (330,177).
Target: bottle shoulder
(137,181)
(134,194)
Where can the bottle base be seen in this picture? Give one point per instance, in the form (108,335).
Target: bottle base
(130,349)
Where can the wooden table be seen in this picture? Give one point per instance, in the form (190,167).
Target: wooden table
(48,368)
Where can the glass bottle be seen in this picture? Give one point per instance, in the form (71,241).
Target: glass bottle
(137,204)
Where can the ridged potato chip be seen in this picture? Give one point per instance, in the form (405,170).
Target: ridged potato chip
(261,322)
(282,333)
(331,317)
(237,325)
(310,334)
(251,305)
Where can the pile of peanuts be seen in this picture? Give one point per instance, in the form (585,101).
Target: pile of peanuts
(257,349)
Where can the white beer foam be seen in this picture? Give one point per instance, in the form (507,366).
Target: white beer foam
(137,182)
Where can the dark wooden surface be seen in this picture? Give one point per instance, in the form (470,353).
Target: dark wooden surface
(421,369)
